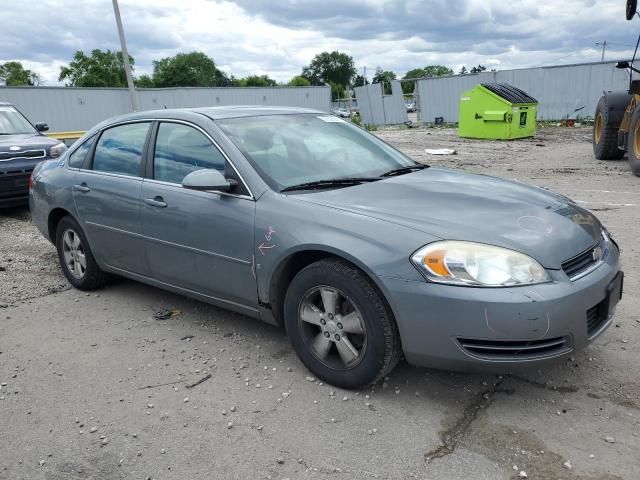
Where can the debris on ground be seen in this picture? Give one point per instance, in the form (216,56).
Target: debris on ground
(440,151)
(166,313)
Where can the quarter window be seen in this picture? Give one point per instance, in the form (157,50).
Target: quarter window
(119,149)
(76,159)
(180,150)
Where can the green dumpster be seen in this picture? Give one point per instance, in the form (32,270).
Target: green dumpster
(497,111)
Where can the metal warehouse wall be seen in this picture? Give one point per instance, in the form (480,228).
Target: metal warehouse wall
(379,109)
(560,89)
(66,108)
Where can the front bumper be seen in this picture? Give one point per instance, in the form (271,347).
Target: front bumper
(464,328)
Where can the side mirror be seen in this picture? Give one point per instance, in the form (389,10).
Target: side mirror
(632,7)
(42,127)
(207,179)
(622,65)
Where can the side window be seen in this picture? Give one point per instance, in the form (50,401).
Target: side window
(180,150)
(119,149)
(76,159)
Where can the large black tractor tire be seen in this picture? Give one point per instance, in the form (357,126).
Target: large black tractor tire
(634,143)
(608,115)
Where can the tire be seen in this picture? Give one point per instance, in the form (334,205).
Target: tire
(605,133)
(634,143)
(369,328)
(72,245)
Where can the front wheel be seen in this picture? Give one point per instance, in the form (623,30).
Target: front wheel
(340,326)
(634,143)
(76,258)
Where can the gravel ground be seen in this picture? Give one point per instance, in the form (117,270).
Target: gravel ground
(93,387)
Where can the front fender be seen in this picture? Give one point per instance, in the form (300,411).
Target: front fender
(286,227)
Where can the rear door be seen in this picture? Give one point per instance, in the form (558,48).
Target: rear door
(200,241)
(107,196)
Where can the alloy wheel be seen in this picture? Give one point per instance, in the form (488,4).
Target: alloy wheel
(74,254)
(332,327)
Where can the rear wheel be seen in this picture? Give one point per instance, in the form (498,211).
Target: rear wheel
(605,135)
(634,143)
(340,326)
(76,258)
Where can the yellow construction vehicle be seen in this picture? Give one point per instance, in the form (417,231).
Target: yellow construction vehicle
(616,128)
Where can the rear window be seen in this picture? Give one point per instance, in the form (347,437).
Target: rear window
(119,149)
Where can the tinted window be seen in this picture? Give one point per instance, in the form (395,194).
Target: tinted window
(76,159)
(119,149)
(180,150)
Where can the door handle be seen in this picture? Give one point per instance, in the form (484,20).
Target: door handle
(156,202)
(81,188)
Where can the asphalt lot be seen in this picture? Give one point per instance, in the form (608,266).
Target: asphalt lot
(93,387)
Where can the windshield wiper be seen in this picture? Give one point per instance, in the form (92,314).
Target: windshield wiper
(335,182)
(403,170)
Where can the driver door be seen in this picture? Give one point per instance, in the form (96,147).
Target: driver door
(198,241)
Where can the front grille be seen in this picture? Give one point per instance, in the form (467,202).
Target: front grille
(6,156)
(580,263)
(12,182)
(513,349)
(597,316)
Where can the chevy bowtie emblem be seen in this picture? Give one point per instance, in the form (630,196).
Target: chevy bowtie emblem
(14,148)
(596,254)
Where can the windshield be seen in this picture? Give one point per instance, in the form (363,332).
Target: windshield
(13,122)
(290,150)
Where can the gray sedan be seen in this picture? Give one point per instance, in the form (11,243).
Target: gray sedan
(305,221)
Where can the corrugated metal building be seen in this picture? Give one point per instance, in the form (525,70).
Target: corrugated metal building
(559,89)
(67,108)
(379,109)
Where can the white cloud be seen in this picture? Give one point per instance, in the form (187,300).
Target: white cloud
(278,38)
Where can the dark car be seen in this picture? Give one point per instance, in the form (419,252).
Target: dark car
(22,147)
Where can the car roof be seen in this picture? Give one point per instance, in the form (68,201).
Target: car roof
(6,104)
(215,113)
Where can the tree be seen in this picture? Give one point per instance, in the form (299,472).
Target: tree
(144,81)
(479,69)
(299,81)
(256,81)
(14,74)
(330,67)
(338,91)
(384,77)
(463,70)
(437,71)
(360,81)
(101,69)
(194,69)
(428,71)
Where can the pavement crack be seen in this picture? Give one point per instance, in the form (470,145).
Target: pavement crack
(545,386)
(452,436)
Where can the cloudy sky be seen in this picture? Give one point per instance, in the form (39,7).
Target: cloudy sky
(279,37)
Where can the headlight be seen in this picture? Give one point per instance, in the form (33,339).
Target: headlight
(477,264)
(57,150)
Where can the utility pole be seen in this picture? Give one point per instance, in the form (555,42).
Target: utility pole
(125,56)
(604,47)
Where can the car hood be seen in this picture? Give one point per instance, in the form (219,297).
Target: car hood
(456,205)
(26,141)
